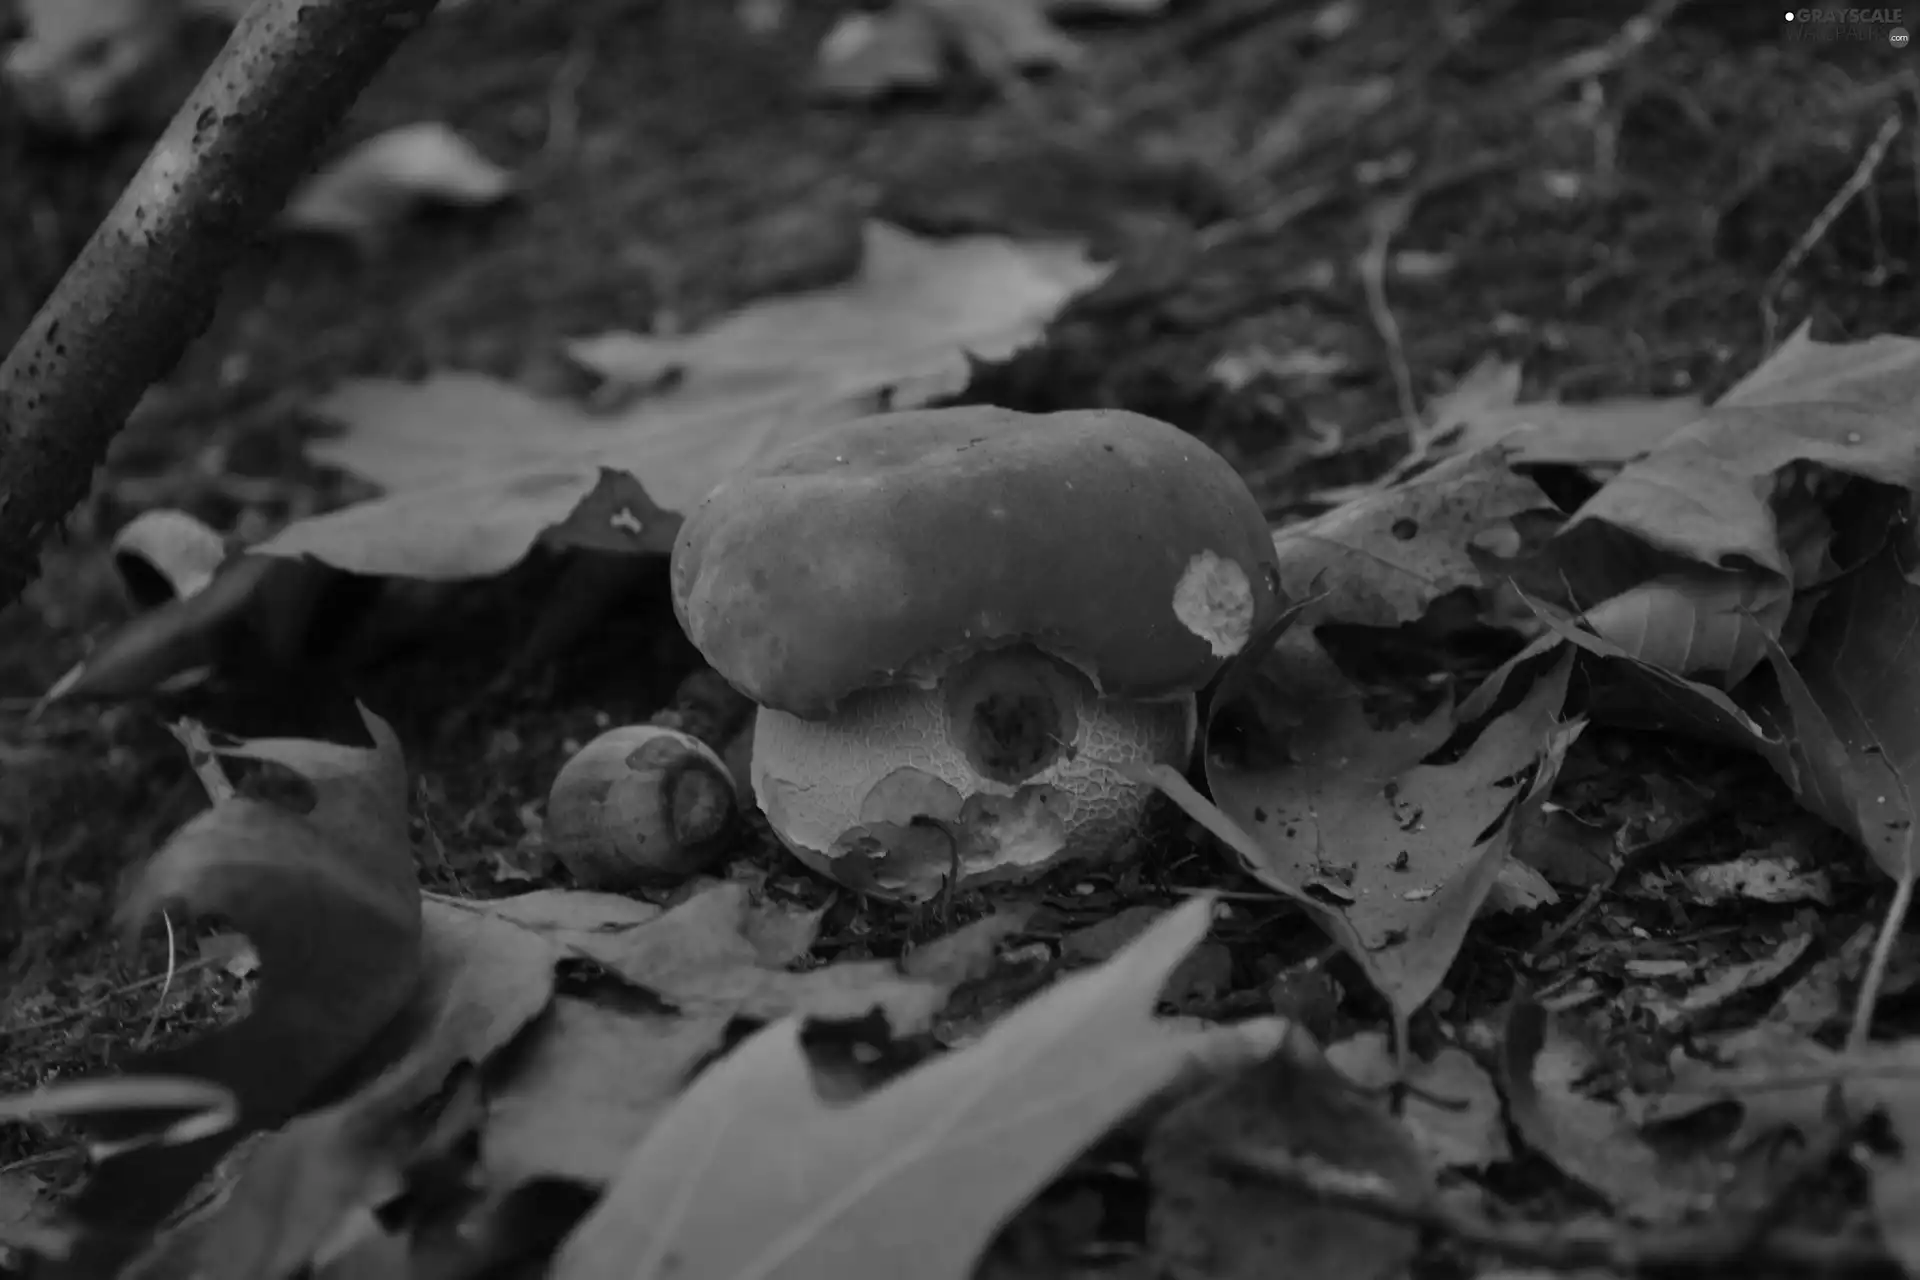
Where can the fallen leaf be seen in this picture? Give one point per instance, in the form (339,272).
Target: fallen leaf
(1518,887)
(1712,494)
(1484,408)
(254,607)
(1759,878)
(910,45)
(969,952)
(1104,938)
(1567,851)
(164,555)
(1852,697)
(1409,849)
(476,470)
(699,958)
(751,1173)
(376,184)
(1813,1001)
(77,67)
(1722,981)
(1895,1176)
(1211,1221)
(483,980)
(1591,1141)
(1785,1082)
(1453,1112)
(29,1226)
(196,1107)
(562,913)
(330,902)
(1706,627)
(870,55)
(594,1077)
(591,1084)
(1639,694)
(1382,559)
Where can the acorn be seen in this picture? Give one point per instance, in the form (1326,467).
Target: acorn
(640,805)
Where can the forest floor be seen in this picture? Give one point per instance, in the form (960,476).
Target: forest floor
(1618,215)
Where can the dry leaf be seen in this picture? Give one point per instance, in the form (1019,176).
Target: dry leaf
(699,957)
(1591,1141)
(1784,1082)
(376,184)
(329,900)
(1708,627)
(29,1226)
(1484,408)
(381,180)
(484,980)
(164,555)
(1211,1221)
(1852,698)
(82,66)
(1382,559)
(477,470)
(911,44)
(1759,878)
(594,1077)
(592,1083)
(1712,496)
(1454,1117)
(1720,981)
(1403,851)
(752,1173)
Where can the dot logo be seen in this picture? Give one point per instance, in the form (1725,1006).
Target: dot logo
(1897,37)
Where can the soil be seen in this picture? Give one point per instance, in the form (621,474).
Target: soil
(1646,231)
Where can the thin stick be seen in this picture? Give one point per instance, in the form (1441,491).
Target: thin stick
(166,985)
(1709,1248)
(1876,974)
(1860,180)
(1588,64)
(1388,220)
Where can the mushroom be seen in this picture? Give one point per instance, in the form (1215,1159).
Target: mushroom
(960,625)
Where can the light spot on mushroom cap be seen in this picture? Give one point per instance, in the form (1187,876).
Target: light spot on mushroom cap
(1214,600)
(844,793)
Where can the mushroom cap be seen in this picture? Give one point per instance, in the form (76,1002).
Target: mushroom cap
(880,551)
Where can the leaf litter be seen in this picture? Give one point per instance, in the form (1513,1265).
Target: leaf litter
(1743,565)
(751,1174)
(475,471)
(594,1092)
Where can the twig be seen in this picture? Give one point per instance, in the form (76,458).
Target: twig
(166,984)
(1638,32)
(1561,1246)
(1860,180)
(563,104)
(203,759)
(1876,974)
(1388,220)
(146,283)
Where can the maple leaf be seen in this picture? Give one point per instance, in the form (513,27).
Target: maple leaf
(753,1173)
(1399,852)
(477,470)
